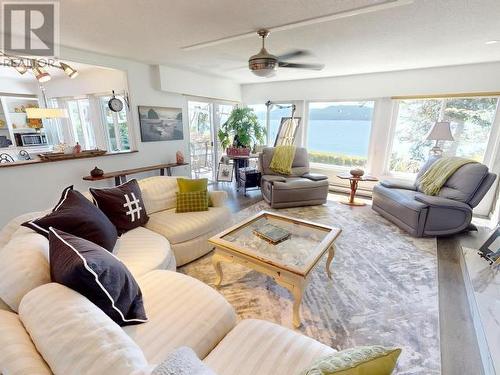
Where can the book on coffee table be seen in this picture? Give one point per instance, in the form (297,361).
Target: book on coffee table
(272,233)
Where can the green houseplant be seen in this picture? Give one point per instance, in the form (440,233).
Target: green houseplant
(241,130)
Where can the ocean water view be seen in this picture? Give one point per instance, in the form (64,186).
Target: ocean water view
(347,137)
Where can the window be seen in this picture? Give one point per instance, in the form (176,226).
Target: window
(79,117)
(339,132)
(260,111)
(471,121)
(116,125)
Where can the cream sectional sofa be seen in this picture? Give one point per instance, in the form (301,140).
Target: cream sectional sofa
(51,329)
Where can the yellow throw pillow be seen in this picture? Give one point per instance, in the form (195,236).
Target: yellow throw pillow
(190,185)
(361,360)
(192,202)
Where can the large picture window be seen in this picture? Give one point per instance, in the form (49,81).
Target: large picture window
(116,125)
(471,121)
(339,132)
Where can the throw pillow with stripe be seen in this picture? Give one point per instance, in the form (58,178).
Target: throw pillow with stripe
(123,205)
(97,274)
(75,214)
(192,201)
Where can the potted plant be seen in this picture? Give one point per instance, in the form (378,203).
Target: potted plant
(242,131)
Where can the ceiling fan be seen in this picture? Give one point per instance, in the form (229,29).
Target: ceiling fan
(265,64)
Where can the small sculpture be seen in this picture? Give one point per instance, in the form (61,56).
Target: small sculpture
(96,172)
(179,157)
(357,172)
(77,149)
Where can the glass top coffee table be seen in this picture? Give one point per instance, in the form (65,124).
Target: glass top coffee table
(289,261)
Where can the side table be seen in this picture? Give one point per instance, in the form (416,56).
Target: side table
(353,181)
(248,177)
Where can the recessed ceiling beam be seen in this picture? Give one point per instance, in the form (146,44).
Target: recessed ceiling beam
(310,21)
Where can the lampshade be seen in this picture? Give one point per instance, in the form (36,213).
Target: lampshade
(46,113)
(70,72)
(440,132)
(40,74)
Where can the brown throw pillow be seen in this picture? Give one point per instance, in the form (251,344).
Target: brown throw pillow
(98,275)
(75,214)
(123,205)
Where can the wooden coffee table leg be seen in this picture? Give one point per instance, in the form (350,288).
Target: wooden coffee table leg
(216,260)
(331,254)
(297,292)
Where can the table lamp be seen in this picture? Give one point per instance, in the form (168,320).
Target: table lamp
(440,132)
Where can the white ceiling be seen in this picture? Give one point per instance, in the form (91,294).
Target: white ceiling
(425,33)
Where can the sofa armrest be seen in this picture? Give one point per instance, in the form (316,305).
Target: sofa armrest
(218,198)
(315,176)
(398,184)
(273,178)
(434,201)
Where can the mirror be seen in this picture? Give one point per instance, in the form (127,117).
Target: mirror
(80,117)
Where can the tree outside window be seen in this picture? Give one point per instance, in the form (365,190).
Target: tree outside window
(471,121)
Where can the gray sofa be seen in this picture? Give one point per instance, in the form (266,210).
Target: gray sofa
(301,188)
(447,213)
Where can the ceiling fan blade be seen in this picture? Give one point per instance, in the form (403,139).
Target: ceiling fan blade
(293,54)
(283,64)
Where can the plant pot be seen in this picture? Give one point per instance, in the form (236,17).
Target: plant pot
(238,151)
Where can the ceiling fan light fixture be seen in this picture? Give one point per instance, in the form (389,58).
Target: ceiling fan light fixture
(70,72)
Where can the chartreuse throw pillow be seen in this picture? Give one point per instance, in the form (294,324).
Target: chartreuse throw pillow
(190,185)
(192,201)
(361,360)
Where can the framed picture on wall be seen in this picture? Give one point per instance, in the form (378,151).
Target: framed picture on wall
(160,124)
(225,172)
(287,131)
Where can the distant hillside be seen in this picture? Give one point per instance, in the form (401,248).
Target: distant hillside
(338,112)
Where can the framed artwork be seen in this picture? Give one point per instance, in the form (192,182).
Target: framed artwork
(225,172)
(160,124)
(490,250)
(287,131)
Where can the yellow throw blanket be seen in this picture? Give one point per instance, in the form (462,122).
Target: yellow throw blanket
(283,159)
(436,176)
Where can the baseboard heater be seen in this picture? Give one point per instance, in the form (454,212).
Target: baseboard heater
(345,189)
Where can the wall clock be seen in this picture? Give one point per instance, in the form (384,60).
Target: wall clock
(115,104)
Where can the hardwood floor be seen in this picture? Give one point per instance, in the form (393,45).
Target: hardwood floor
(237,200)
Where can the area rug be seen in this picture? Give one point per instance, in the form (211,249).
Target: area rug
(383,289)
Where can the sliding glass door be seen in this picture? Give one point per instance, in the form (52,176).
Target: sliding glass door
(205,118)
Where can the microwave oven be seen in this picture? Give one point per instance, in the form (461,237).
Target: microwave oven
(31,139)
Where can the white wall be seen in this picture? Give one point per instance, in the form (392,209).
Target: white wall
(454,79)
(195,84)
(16,86)
(380,87)
(36,187)
(91,81)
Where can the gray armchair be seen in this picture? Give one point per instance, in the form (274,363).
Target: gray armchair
(301,188)
(447,213)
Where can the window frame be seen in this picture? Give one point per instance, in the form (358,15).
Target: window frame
(305,136)
(492,146)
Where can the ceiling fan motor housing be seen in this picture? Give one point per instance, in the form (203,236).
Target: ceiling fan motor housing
(263,64)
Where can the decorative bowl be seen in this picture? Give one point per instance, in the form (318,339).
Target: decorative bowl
(357,172)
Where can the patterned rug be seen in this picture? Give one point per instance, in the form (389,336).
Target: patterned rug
(383,289)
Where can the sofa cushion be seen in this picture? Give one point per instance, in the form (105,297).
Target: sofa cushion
(18,354)
(463,184)
(264,348)
(143,250)
(194,201)
(400,203)
(123,205)
(76,215)
(23,265)
(182,311)
(181,227)
(74,336)
(98,275)
(24,260)
(182,361)
(158,193)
